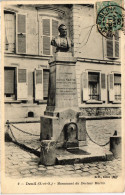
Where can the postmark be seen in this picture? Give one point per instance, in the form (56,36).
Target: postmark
(110,19)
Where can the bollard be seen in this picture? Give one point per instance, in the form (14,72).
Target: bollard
(48,154)
(115,146)
(7,137)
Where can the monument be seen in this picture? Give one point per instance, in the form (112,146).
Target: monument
(61,121)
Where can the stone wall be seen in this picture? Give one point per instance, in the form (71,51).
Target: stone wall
(100,111)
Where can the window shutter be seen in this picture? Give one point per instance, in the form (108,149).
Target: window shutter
(54,32)
(103,87)
(22,82)
(109,48)
(38,84)
(54,28)
(21,33)
(84,84)
(116,49)
(45,83)
(46,36)
(9,76)
(116,44)
(46,45)
(46,27)
(111,87)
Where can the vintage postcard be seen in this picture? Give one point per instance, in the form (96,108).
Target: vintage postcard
(63,94)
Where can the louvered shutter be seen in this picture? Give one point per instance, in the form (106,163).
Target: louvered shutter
(21,33)
(22,84)
(38,84)
(84,85)
(109,48)
(45,83)
(103,87)
(46,36)
(116,44)
(54,32)
(111,87)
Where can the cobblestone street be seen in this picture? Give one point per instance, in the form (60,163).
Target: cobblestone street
(20,163)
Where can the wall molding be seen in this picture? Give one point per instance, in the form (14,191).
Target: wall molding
(49,7)
(97,61)
(7,9)
(26,56)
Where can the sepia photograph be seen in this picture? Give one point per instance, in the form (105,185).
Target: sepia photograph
(62,96)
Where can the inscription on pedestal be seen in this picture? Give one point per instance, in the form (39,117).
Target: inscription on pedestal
(66,92)
(66,86)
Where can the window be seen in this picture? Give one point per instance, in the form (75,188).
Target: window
(41,84)
(15,32)
(114,87)
(10,83)
(10,31)
(15,83)
(45,83)
(93,79)
(48,28)
(112,46)
(117,87)
(93,87)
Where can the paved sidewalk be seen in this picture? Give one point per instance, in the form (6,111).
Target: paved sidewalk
(21,164)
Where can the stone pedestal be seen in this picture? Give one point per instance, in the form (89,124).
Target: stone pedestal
(56,128)
(62,106)
(62,84)
(47,154)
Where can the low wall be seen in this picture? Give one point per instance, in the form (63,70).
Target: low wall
(19,112)
(100,111)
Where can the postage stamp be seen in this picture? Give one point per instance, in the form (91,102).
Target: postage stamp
(110,18)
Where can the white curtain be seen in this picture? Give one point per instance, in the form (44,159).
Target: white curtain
(9,32)
(117,89)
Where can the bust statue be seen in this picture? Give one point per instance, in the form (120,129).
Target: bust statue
(62,42)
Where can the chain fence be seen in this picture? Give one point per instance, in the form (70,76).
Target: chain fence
(96,142)
(31,134)
(24,147)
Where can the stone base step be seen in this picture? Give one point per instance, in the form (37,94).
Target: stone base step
(87,158)
(72,148)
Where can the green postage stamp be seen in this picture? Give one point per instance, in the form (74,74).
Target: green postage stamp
(110,18)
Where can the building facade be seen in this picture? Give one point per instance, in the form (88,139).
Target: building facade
(28,32)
